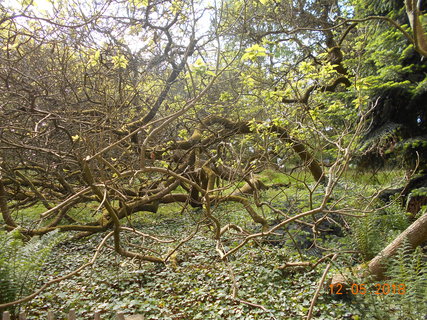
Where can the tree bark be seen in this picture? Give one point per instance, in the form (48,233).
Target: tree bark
(243,127)
(413,12)
(4,208)
(416,234)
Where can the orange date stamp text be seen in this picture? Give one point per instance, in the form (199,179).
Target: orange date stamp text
(377,289)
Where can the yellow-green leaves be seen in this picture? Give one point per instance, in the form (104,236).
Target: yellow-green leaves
(176,7)
(183,134)
(225,96)
(306,67)
(322,75)
(254,52)
(25,3)
(280,122)
(200,67)
(248,81)
(119,61)
(361,101)
(11,46)
(141,3)
(94,59)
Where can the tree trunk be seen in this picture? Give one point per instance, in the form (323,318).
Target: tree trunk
(4,208)
(416,234)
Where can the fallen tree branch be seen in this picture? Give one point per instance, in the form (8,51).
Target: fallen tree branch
(416,234)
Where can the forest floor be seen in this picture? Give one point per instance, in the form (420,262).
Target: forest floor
(197,284)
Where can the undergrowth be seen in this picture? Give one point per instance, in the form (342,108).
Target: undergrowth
(21,262)
(196,284)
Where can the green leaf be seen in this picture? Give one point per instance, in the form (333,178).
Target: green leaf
(120,61)
(254,52)
(94,59)
(141,3)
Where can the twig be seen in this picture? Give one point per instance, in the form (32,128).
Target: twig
(255,305)
(319,287)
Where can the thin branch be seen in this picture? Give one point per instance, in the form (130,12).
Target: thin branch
(319,287)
